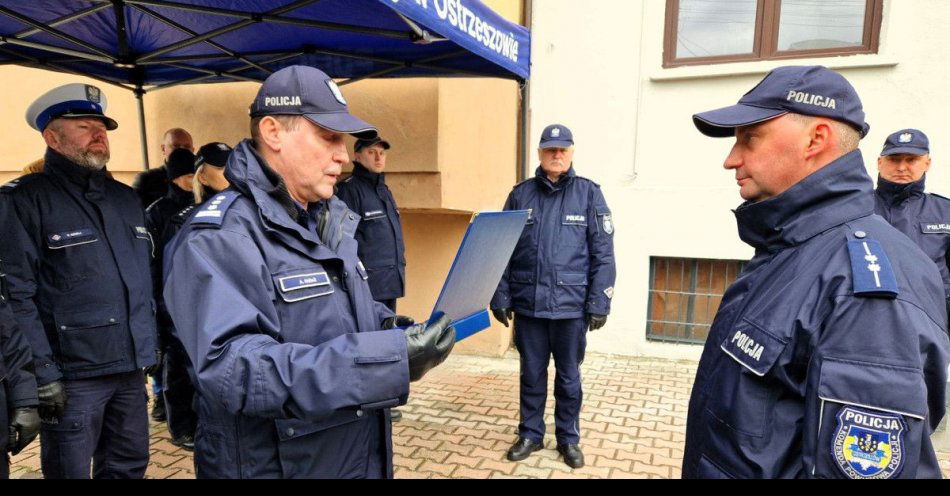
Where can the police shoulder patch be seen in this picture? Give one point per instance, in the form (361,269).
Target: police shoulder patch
(868,444)
(871,271)
(212,212)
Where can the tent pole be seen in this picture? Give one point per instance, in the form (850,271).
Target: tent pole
(139,93)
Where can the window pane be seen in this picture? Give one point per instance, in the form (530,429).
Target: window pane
(709,28)
(816,24)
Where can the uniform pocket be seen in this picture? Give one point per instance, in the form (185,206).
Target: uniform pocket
(574,229)
(88,339)
(863,424)
(73,237)
(745,394)
(572,290)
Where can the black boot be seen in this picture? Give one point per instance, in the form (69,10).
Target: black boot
(522,448)
(572,455)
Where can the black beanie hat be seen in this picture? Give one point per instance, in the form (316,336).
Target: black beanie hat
(180,163)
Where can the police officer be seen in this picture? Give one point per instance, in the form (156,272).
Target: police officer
(295,377)
(152,184)
(559,283)
(828,355)
(379,234)
(81,291)
(19,419)
(180,170)
(900,198)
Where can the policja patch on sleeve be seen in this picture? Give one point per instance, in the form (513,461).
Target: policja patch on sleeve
(868,444)
(871,271)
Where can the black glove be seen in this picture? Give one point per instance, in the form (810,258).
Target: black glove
(157,366)
(595,321)
(24,426)
(503,315)
(397,321)
(428,345)
(52,401)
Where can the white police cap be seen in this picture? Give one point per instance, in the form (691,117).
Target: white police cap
(70,100)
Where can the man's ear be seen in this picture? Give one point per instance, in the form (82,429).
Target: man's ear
(821,139)
(51,138)
(269,129)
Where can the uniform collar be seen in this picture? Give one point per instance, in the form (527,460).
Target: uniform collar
(835,194)
(894,193)
(179,196)
(250,175)
(565,179)
(92,181)
(362,172)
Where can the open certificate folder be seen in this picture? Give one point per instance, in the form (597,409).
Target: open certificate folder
(479,264)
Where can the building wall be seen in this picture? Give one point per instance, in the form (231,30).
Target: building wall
(663,180)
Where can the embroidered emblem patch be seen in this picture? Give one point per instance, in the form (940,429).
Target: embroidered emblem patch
(609,292)
(92,94)
(556,132)
(336,91)
(608,225)
(905,138)
(868,444)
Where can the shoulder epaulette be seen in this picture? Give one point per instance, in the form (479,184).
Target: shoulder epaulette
(871,271)
(940,196)
(20,181)
(212,212)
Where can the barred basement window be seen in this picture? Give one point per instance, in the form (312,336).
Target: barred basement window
(684,296)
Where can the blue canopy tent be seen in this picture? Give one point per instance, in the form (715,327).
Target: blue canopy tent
(148,45)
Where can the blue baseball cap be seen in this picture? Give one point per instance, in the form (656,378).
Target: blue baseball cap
(809,90)
(556,136)
(907,141)
(308,91)
(69,100)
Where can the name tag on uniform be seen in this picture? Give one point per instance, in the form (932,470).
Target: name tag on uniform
(752,347)
(935,228)
(73,237)
(373,214)
(299,287)
(575,219)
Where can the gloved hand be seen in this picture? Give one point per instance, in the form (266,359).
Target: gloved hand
(428,345)
(52,401)
(24,427)
(397,321)
(503,315)
(595,321)
(159,360)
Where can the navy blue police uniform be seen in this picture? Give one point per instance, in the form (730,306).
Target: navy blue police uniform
(828,355)
(561,271)
(922,217)
(77,254)
(177,396)
(381,246)
(17,383)
(295,377)
(81,290)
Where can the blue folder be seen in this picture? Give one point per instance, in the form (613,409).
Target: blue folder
(479,264)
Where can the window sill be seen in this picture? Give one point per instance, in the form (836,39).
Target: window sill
(761,67)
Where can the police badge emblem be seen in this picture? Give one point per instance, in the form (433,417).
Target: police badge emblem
(905,138)
(92,94)
(556,132)
(868,444)
(608,225)
(336,91)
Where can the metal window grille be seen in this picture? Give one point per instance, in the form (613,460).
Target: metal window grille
(684,296)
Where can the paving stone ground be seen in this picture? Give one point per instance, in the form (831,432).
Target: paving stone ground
(463,416)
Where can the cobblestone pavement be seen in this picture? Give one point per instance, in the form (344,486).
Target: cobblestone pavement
(463,416)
